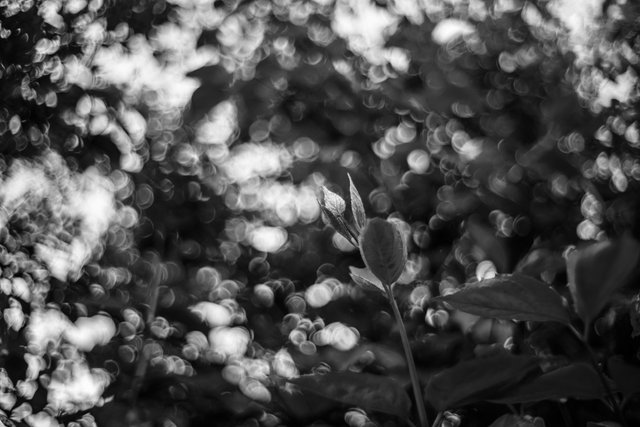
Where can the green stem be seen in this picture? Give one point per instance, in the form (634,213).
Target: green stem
(415,382)
(584,339)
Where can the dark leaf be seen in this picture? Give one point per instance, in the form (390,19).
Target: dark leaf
(596,271)
(625,375)
(357,208)
(365,278)
(510,296)
(298,406)
(478,380)
(578,381)
(367,391)
(634,315)
(214,75)
(441,349)
(541,262)
(603,424)
(511,420)
(383,250)
(493,246)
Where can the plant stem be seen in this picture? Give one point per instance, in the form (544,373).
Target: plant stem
(584,339)
(438,420)
(566,416)
(415,382)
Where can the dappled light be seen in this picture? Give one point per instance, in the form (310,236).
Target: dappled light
(324,212)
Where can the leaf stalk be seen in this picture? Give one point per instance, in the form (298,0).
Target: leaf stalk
(584,339)
(413,373)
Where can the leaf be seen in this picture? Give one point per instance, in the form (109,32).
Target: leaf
(383,250)
(478,380)
(365,278)
(625,375)
(332,202)
(541,262)
(578,381)
(493,246)
(603,424)
(634,315)
(363,390)
(298,406)
(333,208)
(357,208)
(511,420)
(596,271)
(510,296)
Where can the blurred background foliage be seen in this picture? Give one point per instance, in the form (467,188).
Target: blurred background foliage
(163,260)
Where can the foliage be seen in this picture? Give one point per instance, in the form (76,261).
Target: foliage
(163,259)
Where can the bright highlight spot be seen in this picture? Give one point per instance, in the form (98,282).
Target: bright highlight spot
(90,331)
(212,314)
(448,30)
(229,342)
(268,239)
(318,295)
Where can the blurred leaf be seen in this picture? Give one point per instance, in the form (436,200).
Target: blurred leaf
(383,250)
(478,380)
(299,406)
(215,75)
(634,315)
(367,391)
(511,420)
(493,246)
(357,208)
(603,424)
(365,278)
(510,296)
(596,271)
(239,405)
(578,381)
(625,375)
(438,349)
(541,262)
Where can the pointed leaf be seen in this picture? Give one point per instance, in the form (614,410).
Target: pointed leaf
(511,420)
(357,208)
(625,375)
(383,250)
(337,223)
(477,380)
(367,391)
(332,207)
(510,296)
(596,271)
(332,202)
(365,278)
(578,381)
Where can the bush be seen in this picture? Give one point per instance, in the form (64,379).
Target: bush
(165,169)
